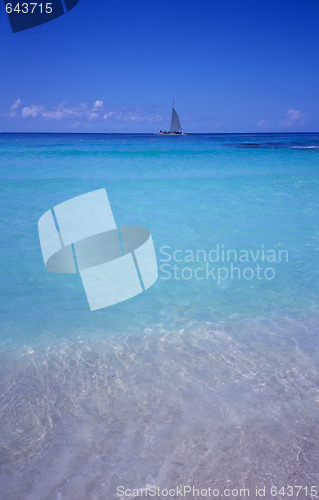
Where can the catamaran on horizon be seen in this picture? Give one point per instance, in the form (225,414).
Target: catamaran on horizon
(175,128)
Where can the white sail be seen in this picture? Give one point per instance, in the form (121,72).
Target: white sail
(175,123)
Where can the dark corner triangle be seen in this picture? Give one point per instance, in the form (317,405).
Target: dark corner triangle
(21,22)
(70,4)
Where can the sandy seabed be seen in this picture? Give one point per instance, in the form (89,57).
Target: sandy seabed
(230,405)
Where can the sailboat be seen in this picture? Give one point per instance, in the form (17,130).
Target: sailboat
(176,128)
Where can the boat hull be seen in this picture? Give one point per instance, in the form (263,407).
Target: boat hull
(171,133)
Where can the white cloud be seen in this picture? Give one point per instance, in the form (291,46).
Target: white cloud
(109,115)
(13,109)
(80,113)
(131,116)
(293,117)
(32,111)
(62,111)
(96,109)
(16,104)
(262,123)
(58,112)
(55,114)
(98,104)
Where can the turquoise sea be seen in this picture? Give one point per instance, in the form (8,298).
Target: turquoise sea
(210,377)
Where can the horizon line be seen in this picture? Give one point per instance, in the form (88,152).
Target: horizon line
(157,133)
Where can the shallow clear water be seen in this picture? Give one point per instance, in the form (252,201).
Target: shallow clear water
(193,381)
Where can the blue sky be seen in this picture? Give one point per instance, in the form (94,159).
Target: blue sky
(115,65)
